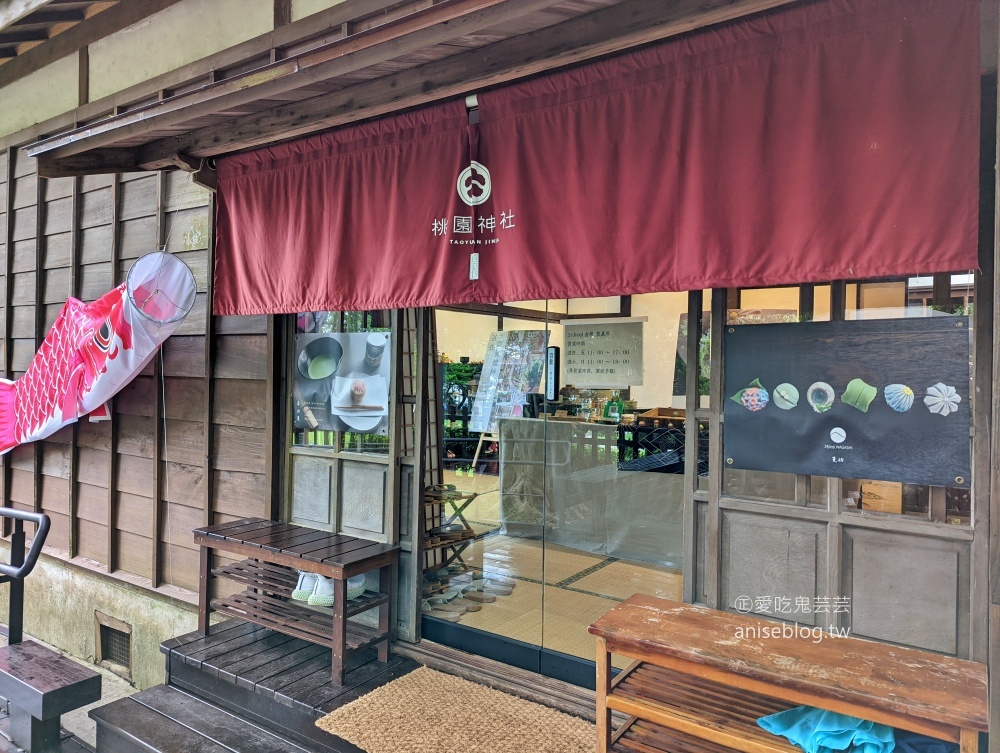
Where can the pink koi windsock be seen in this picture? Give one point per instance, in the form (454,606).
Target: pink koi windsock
(94,349)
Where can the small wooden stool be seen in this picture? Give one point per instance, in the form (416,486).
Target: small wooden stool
(40,686)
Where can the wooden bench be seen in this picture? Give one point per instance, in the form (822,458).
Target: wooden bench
(40,686)
(701,678)
(275,551)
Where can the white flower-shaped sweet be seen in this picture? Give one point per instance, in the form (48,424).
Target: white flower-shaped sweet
(942,398)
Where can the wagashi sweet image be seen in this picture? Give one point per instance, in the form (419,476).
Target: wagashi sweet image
(899,397)
(820,396)
(942,399)
(786,396)
(754,397)
(859,394)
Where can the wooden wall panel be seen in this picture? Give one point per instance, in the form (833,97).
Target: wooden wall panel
(181,566)
(135,475)
(240,402)
(242,357)
(137,398)
(134,514)
(93,504)
(25,255)
(184,398)
(133,553)
(93,540)
(184,484)
(138,237)
(135,435)
(95,281)
(239,449)
(96,208)
(241,325)
(184,442)
(113,487)
(95,244)
(57,250)
(184,357)
(55,286)
(139,198)
(241,494)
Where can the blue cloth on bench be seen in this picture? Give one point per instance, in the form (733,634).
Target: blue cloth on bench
(819,731)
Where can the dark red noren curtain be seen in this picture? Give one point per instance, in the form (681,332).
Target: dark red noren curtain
(825,141)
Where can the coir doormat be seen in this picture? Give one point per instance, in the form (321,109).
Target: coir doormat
(431,712)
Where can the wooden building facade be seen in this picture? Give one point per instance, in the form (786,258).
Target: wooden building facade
(201,436)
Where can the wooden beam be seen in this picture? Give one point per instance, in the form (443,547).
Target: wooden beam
(12,11)
(83,75)
(297,34)
(87,32)
(412,33)
(606,31)
(282,13)
(159,428)
(92,163)
(8,315)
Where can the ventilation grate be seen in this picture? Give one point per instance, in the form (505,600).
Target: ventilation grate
(114,645)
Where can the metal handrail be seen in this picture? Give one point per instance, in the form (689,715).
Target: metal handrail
(21,565)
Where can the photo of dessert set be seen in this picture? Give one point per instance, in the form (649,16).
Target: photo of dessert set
(342,382)
(939,398)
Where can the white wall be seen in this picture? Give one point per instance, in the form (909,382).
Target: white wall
(303,8)
(39,96)
(181,34)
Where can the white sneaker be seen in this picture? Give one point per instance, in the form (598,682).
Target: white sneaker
(356,586)
(304,588)
(322,593)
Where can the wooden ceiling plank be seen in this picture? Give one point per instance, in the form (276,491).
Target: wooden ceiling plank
(98,26)
(600,33)
(16,35)
(413,32)
(52,16)
(12,11)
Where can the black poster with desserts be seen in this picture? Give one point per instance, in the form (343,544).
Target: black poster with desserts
(882,400)
(340,382)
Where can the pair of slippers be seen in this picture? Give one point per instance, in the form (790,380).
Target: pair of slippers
(460,598)
(317,591)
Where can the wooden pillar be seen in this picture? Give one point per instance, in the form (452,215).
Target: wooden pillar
(208,517)
(692,438)
(8,313)
(112,404)
(159,385)
(37,448)
(721,300)
(74,290)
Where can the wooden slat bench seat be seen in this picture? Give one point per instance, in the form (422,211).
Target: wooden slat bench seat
(40,686)
(275,551)
(702,674)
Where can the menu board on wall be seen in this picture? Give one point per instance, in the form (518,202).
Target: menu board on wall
(513,367)
(603,353)
(883,400)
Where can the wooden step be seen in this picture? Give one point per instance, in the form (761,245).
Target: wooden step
(722,716)
(166,720)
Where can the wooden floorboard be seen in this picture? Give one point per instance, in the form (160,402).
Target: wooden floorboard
(287,671)
(279,666)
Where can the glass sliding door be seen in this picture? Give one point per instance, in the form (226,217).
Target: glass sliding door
(580,498)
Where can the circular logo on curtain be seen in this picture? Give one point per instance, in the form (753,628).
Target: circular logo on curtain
(474,184)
